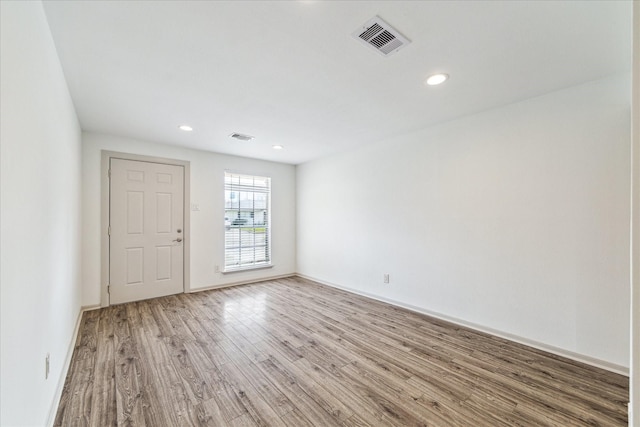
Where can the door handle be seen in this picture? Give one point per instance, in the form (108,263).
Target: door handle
(179,239)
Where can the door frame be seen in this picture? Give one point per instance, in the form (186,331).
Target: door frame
(105,204)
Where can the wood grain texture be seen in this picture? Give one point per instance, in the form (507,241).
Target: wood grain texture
(291,352)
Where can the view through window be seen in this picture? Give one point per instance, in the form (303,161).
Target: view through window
(247,222)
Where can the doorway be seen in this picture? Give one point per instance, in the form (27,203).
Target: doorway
(146,228)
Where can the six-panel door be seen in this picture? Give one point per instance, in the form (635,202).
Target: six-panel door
(147,230)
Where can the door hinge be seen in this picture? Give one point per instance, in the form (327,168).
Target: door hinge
(109,289)
(109,231)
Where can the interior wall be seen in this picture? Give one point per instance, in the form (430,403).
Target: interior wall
(207,223)
(40,209)
(515,219)
(634,407)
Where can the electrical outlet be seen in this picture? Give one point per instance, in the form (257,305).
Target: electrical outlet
(46,367)
(386,278)
(216,269)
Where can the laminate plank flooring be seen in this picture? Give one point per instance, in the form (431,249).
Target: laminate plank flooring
(291,352)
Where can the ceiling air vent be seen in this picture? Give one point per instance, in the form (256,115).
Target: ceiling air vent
(381,37)
(241,137)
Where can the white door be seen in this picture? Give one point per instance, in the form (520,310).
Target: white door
(146,215)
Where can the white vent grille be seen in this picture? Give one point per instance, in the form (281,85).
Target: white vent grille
(241,137)
(381,37)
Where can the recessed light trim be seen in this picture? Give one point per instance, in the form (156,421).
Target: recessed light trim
(436,79)
(278,147)
(185,128)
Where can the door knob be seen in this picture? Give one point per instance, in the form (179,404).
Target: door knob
(179,239)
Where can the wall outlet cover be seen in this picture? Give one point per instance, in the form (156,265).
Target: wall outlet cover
(46,366)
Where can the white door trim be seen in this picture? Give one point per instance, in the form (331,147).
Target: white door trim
(104,209)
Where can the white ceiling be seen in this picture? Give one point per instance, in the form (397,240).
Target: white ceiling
(289,72)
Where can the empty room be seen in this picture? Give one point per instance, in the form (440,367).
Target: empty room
(320,213)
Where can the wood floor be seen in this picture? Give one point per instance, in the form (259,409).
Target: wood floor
(294,353)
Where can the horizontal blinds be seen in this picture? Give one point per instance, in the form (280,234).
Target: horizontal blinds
(247,221)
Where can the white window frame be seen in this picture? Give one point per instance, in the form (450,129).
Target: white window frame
(242,222)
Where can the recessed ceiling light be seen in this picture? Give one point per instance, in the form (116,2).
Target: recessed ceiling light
(436,79)
(185,128)
(278,147)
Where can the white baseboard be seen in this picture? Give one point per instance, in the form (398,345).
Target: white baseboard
(612,367)
(67,364)
(241,282)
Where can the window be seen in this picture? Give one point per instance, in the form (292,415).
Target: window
(247,234)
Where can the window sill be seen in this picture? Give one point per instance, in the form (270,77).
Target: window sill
(239,270)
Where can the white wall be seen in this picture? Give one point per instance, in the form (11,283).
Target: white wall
(515,219)
(207,224)
(634,408)
(40,208)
